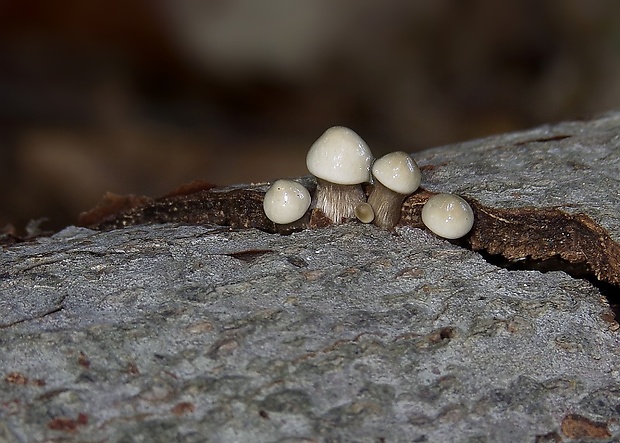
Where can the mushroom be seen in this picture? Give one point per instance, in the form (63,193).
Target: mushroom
(448,216)
(396,176)
(364,212)
(340,160)
(286,201)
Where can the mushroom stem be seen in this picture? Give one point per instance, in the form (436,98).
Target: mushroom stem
(338,202)
(386,204)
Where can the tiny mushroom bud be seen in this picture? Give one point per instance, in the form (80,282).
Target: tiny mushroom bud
(286,201)
(396,176)
(364,213)
(448,216)
(340,160)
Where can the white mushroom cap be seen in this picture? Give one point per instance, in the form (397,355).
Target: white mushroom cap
(448,215)
(398,172)
(286,201)
(340,156)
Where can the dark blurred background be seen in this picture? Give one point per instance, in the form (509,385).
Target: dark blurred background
(140,96)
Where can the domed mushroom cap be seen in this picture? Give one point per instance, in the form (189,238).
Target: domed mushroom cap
(286,201)
(448,216)
(340,156)
(397,171)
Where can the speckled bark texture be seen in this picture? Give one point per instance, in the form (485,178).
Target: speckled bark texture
(574,166)
(165,333)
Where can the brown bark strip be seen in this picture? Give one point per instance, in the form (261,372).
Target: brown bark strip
(545,233)
(578,427)
(516,234)
(534,234)
(237,208)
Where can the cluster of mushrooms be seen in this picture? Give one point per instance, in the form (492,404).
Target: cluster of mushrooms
(341,162)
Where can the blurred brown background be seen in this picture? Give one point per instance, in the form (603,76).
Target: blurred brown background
(140,96)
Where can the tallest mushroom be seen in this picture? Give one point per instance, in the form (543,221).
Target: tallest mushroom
(340,160)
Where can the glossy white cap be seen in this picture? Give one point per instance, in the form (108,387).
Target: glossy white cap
(398,172)
(340,156)
(286,201)
(448,216)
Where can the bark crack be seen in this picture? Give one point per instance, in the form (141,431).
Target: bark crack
(37,316)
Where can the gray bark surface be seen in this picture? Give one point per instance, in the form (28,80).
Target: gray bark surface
(574,166)
(168,333)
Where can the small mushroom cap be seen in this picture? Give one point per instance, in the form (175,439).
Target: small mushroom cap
(448,216)
(340,156)
(364,212)
(286,201)
(398,172)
